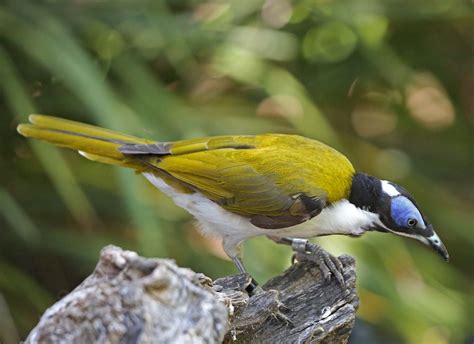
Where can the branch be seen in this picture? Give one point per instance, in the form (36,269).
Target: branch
(130,299)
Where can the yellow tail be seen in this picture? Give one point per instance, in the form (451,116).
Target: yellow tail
(92,142)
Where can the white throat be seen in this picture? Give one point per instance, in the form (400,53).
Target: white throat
(341,217)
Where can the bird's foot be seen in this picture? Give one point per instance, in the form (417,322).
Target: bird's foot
(328,264)
(253,288)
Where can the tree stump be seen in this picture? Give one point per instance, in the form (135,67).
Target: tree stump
(131,299)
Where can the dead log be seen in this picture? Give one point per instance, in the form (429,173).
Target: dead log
(131,299)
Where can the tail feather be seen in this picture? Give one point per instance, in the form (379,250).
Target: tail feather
(124,162)
(94,143)
(62,124)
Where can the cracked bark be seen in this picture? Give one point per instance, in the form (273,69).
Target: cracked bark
(130,299)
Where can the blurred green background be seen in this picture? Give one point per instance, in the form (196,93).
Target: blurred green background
(389,83)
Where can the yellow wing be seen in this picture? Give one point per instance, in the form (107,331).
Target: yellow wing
(277,180)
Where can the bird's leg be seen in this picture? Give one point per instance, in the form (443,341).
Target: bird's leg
(304,250)
(252,287)
(239,264)
(231,248)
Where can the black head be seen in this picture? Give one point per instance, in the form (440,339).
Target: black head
(397,211)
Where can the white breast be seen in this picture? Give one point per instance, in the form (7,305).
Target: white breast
(340,218)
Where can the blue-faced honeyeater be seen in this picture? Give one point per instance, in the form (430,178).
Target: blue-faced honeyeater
(286,187)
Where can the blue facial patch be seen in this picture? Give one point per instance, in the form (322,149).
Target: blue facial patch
(403,209)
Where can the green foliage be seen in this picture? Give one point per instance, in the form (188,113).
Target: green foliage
(386,82)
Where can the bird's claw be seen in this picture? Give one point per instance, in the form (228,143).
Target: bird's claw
(327,263)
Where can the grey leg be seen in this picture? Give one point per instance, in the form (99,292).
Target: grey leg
(305,250)
(253,286)
(238,263)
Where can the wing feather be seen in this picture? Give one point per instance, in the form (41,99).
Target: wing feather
(276,180)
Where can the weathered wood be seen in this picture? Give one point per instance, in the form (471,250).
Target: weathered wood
(130,299)
(297,306)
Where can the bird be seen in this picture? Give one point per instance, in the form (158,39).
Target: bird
(288,188)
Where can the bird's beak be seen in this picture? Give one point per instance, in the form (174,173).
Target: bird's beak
(435,242)
(440,248)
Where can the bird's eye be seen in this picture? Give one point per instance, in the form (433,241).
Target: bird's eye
(412,222)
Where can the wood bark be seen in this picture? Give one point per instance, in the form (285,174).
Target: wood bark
(131,299)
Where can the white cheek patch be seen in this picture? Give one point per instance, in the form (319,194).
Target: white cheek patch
(389,189)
